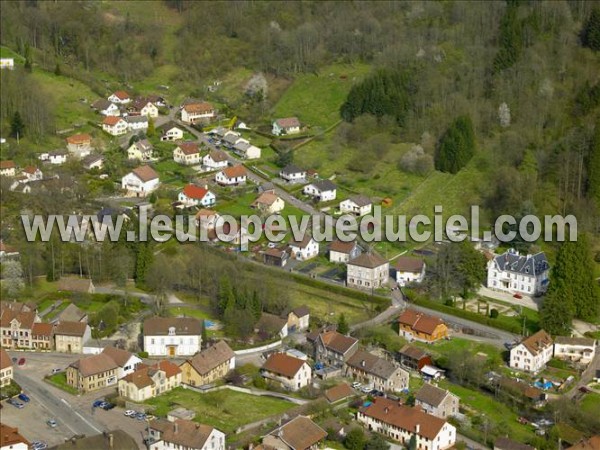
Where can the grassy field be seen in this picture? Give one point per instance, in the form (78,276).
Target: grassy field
(190,312)
(591,404)
(60,381)
(316,98)
(221,409)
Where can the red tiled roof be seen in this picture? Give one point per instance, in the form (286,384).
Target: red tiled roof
(145,173)
(111,120)
(7,165)
(288,122)
(71,328)
(409,264)
(235,171)
(121,95)
(189,148)
(79,139)
(42,329)
(338,392)
(30,169)
(337,342)
(419,322)
(5,360)
(199,108)
(195,192)
(283,364)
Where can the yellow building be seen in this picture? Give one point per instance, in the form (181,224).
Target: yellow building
(209,365)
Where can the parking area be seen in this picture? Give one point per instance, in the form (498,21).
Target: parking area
(31,422)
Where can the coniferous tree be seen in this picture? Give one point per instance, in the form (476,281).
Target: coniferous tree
(342,326)
(556,314)
(590,35)
(593,182)
(456,147)
(16,125)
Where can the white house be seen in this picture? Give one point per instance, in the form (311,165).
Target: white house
(532,353)
(288,125)
(511,272)
(7,63)
(136,123)
(57,158)
(193,195)
(32,173)
(400,422)
(192,113)
(143,107)
(170,336)
(231,176)
(409,270)
(119,97)
(114,125)
(141,180)
(323,191)
(147,382)
(581,350)
(187,153)
(230,138)
(106,108)
(292,373)
(8,168)
(170,131)
(367,271)
(292,174)
(305,249)
(126,361)
(269,203)
(80,145)
(342,252)
(246,150)
(140,150)
(216,159)
(184,434)
(357,205)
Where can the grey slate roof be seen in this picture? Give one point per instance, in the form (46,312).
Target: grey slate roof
(372,364)
(324,185)
(291,169)
(522,264)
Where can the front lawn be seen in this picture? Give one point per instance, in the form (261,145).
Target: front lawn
(60,381)
(226,409)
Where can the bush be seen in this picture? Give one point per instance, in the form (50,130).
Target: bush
(10,390)
(143,355)
(494,313)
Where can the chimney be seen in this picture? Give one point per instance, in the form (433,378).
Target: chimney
(175,427)
(111,441)
(206,187)
(386,410)
(363,363)
(417,428)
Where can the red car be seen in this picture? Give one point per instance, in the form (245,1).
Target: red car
(519,296)
(21,362)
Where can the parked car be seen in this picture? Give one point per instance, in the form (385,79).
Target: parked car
(51,423)
(150,417)
(21,362)
(24,397)
(523,420)
(130,413)
(140,416)
(518,296)
(365,389)
(108,406)
(15,403)
(356,385)
(56,370)
(39,445)
(14,359)
(98,403)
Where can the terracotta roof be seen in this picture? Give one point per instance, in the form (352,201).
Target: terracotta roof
(283,364)
(218,156)
(205,213)
(266,198)
(592,443)
(111,120)
(30,170)
(199,108)
(419,321)
(79,139)
(74,284)
(413,352)
(25,318)
(10,436)
(342,247)
(121,357)
(7,165)
(142,377)
(504,443)
(67,328)
(145,173)
(338,392)
(409,264)
(337,342)
(5,360)
(121,95)
(140,102)
(537,342)
(372,364)
(288,122)
(235,171)
(404,417)
(186,433)
(431,395)
(184,326)
(189,148)
(368,260)
(300,433)
(195,192)
(212,357)
(92,365)
(42,329)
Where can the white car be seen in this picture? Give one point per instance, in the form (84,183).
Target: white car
(130,413)
(366,389)
(356,385)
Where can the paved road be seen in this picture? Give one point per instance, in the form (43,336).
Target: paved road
(587,375)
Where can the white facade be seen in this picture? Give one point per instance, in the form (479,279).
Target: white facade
(149,110)
(8,171)
(216,441)
(133,183)
(405,277)
(211,164)
(122,100)
(188,159)
(367,277)
(300,379)
(208,200)
(140,151)
(117,128)
(279,128)
(581,350)
(511,272)
(111,110)
(348,206)
(160,345)
(193,113)
(172,134)
(7,63)
(324,195)
(223,178)
(304,252)
(128,367)
(57,158)
(292,176)
(137,123)
(533,353)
